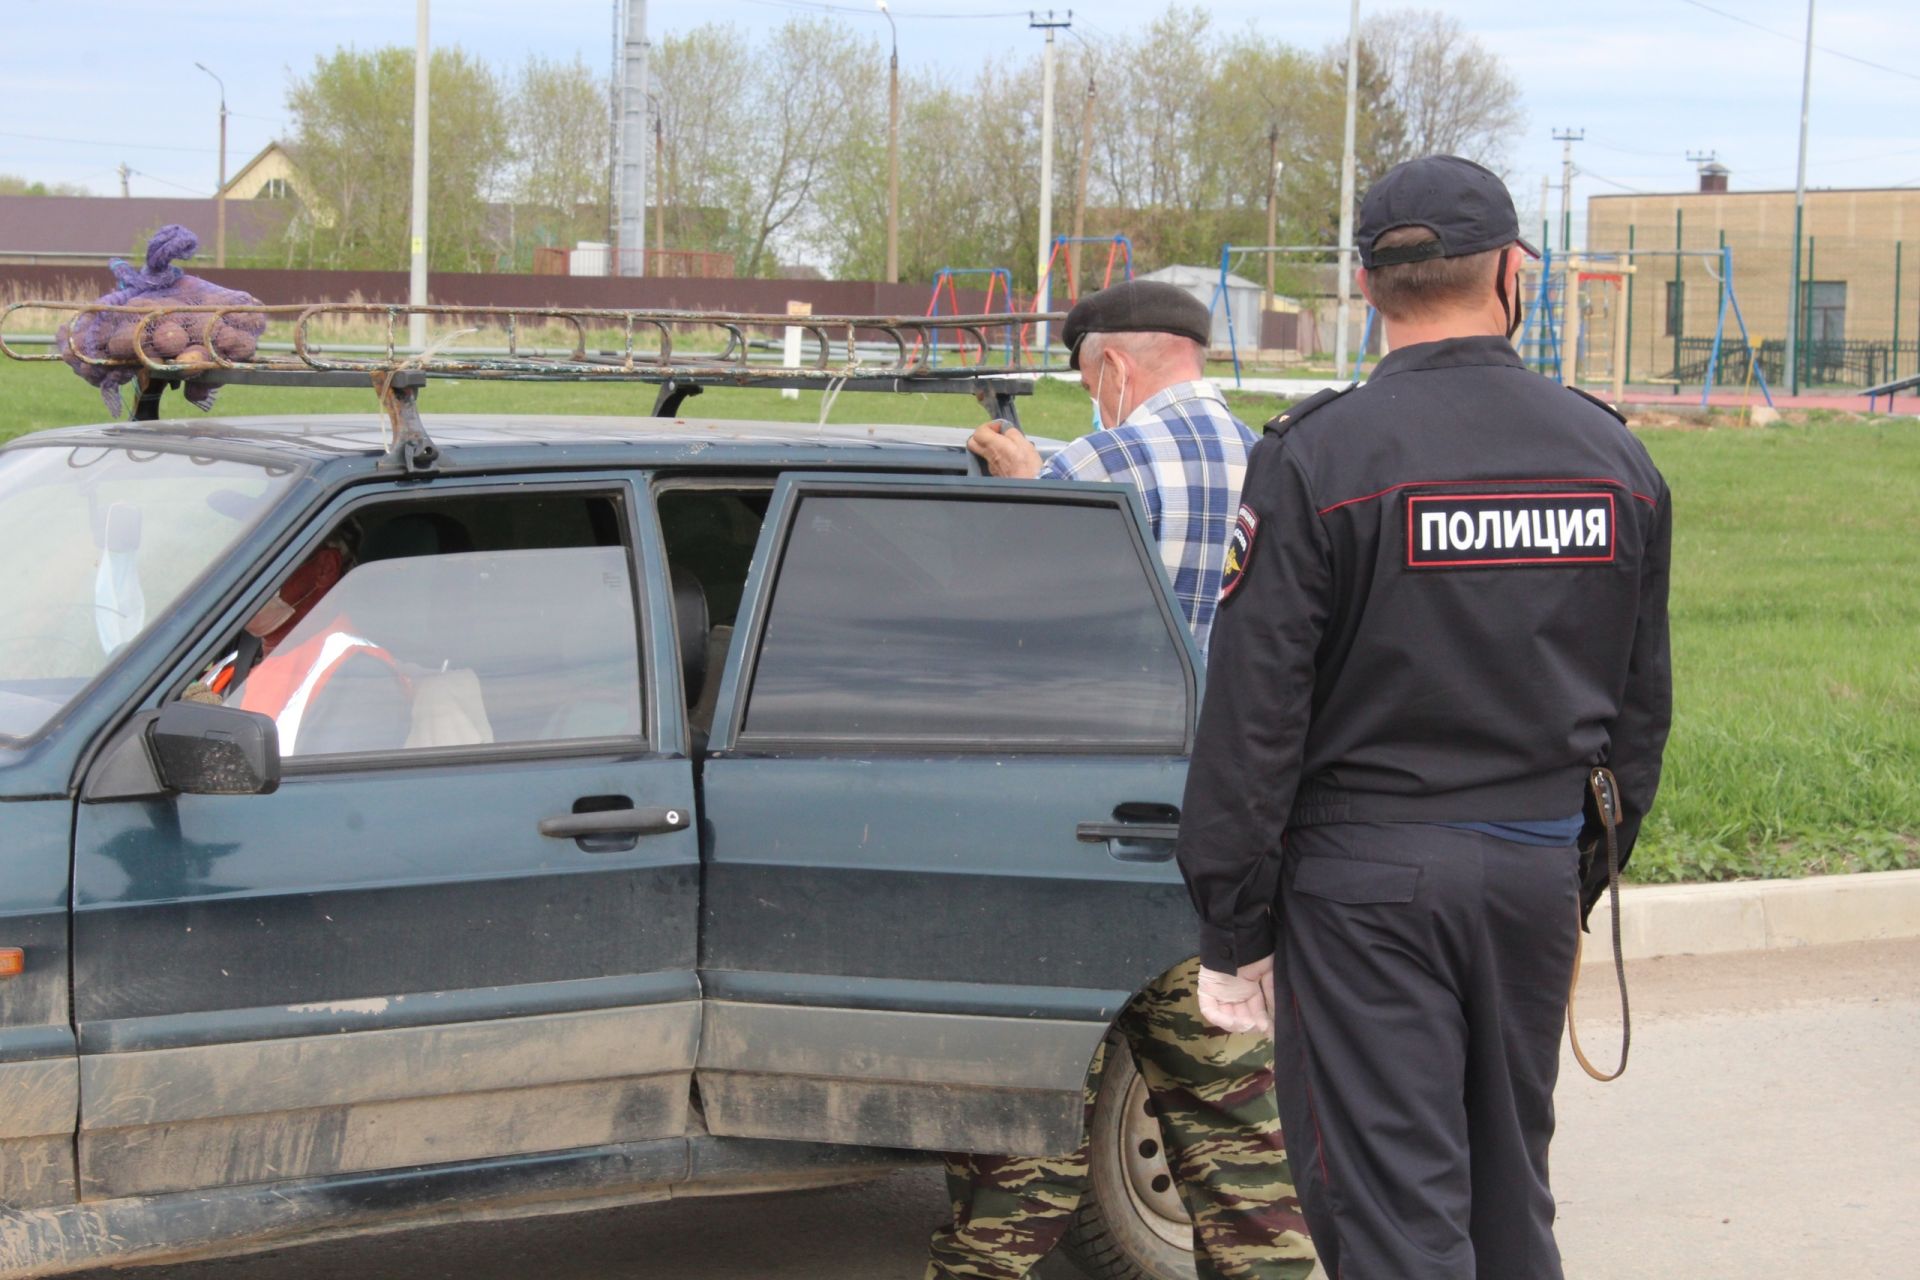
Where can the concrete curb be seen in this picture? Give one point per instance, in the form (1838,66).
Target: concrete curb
(1755,915)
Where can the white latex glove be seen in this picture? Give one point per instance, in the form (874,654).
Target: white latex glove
(1240,1001)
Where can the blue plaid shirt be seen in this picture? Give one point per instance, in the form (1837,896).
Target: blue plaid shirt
(1187,455)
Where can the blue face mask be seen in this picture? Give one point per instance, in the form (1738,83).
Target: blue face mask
(1098,386)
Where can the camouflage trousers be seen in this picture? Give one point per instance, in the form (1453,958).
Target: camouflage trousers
(1213,1094)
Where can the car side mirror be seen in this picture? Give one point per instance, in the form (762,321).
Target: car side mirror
(205,750)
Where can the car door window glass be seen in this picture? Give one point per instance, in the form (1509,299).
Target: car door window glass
(973,622)
(454,624)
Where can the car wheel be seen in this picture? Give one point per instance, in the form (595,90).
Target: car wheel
(1132,1224)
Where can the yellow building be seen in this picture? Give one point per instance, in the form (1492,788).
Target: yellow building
(268,176)
(1851,241)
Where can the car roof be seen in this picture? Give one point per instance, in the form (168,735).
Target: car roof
(494,440)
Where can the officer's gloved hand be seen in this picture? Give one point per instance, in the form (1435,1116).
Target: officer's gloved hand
(1238,1002)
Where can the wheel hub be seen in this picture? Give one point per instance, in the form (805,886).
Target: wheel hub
(1148,1179)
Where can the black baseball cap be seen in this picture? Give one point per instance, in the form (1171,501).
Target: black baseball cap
(1138,306)
(1465,205)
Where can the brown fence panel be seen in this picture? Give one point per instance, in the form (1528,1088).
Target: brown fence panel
(827,297)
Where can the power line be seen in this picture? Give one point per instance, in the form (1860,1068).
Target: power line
(1630,151)
(1749,22)
(167,182)
(1601,177)
(97,142)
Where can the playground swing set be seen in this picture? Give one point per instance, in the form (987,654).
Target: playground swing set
(1119,255)
(946,291)
(1557,338)
(1230,252)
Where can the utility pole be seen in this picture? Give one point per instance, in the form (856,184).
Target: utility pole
(632,244)
(659,177)
(1799,219)
(126,193)
(1344,315)
(1273,201)
(1566,138)
(220,197)
(893,150)
(1049,24)
(417,273)
(1080,191)
(1546,183)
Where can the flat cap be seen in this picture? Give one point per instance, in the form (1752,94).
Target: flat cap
(1138,306)
(1465,205)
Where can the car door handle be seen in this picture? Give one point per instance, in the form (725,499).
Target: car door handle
(1137,832)
(1097,831)
(655,821)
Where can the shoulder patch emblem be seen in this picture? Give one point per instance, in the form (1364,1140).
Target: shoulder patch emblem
(1239,552)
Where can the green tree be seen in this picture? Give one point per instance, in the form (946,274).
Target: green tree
(12,184)
(352,140)
(706,121)
(561,135)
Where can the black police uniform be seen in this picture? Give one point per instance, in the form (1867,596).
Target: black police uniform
(1445,602)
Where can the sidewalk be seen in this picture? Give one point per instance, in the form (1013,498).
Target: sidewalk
(1758,915)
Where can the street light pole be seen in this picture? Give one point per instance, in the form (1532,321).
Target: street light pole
(1799,216)
(417,266)
(1273,201)
(1041,284)
(1343,316)
(220,196)
(659,177)
(893,150)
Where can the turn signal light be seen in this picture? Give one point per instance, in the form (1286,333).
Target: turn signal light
(13,962)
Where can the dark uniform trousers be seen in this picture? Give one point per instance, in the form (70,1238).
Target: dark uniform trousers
(1421,980)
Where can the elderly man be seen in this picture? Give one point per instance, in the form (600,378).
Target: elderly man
(1141,351)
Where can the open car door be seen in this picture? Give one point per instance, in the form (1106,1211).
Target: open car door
(940,811)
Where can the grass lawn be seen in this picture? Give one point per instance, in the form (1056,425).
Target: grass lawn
(1796,604)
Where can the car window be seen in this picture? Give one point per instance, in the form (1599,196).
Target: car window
(975,622)
(100,543)
(416,626)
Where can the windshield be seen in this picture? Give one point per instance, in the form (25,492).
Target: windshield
(99,542)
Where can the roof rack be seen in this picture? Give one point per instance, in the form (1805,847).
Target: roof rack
(841,357)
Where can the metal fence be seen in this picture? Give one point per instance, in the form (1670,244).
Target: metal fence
(1822,364)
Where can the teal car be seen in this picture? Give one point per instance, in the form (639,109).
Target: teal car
(716,805)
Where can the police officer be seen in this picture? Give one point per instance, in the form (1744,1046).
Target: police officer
(1445,604)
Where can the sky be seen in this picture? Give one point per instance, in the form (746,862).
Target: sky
(88,84)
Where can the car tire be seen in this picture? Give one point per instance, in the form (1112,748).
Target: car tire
(1132,1224)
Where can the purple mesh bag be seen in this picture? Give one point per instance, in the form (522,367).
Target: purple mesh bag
(181,336)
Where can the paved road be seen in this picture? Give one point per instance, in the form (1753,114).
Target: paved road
(1768,1127)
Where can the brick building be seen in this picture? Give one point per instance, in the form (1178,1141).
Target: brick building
(1850,242)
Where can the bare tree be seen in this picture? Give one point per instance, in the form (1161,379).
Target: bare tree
(1452,94)
(818,85)
(752,133)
